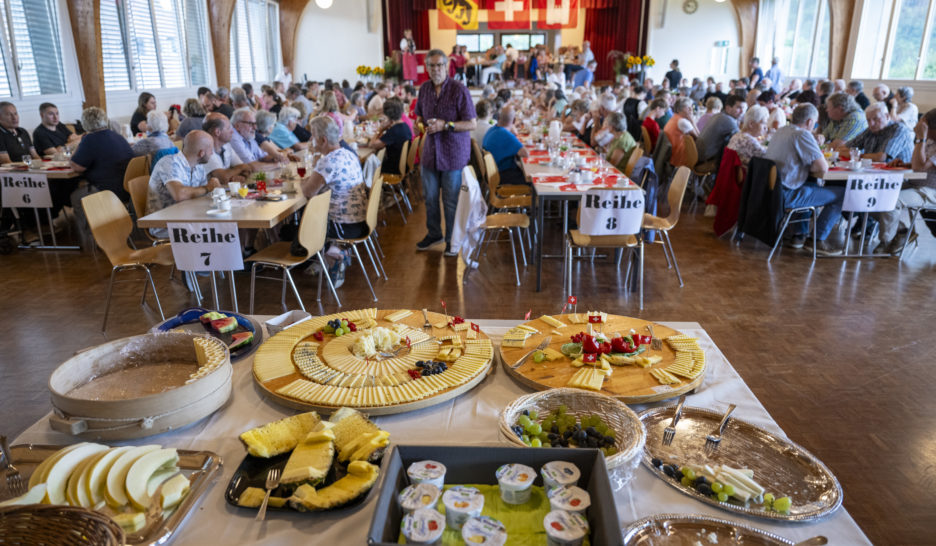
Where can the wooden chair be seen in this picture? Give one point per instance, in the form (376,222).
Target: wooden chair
(632,161)
(373,208)
(645,140)
(111,226)
(395,183)
(498,222)
(575,239)
(312,229)
(788,215)
(139,190)
(138,166)
(496,198)
(477,163)
(675,196)
(412,173)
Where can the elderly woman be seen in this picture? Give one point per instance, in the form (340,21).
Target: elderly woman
(746,142)
(266,121)
(712,107)
(357,101)
(885,139)
(157,124)
(680,124)
(903,110)
(578,121)
(622,144)
(338,170)
(282,134)
(101,157)
(394,132)
(194,117)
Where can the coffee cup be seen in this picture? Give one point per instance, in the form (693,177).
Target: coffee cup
(234,187)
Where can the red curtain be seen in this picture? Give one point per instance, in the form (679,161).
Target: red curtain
(614,24)
(400,15)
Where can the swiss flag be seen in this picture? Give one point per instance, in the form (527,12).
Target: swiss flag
(572,300)
(555,14)
(508,14)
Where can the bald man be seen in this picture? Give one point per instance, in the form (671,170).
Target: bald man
(181,176)
(506,148)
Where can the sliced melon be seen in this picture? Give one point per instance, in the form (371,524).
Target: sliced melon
(173,491)
(240,339)
(57,479)
(33,496)
(210,316)
(311,459)
(130,522)
(39,474)
(225,324)
(97,474)
(75,492)
(142,470)
(115,490)
(359,480)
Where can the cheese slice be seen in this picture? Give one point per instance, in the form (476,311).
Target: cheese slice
(552,321)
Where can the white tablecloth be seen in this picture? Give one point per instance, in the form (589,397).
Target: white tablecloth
(468,419)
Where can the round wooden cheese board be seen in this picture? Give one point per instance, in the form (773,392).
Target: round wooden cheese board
(298,370)
(630,384)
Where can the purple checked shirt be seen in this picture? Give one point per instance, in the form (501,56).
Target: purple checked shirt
(446,151)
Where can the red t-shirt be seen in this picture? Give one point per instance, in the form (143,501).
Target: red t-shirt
(653,128)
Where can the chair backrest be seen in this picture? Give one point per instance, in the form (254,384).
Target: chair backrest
(314,223)
(373,202)
(139,188)
(690,153)
(645,140)
(479,157)
(381,153)
(632,162)
(110,223)
(490,167)
(404,156)
(411,155)
(138,166)
(772,177)
(677,191)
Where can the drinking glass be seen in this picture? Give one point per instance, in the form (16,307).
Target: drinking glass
(27,160)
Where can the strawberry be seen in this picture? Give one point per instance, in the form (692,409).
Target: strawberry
(319,336)
(588,345)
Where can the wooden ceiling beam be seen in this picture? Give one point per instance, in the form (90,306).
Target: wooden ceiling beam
(86,30)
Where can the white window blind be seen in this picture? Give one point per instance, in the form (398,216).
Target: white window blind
(196,37)
(255,49)
(166,14)
(116,70)
(143,44)
(32,50)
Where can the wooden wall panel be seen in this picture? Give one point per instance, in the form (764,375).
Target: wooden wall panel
(220,13)
(746,12)
(841,13)
(83,15)
(290,14)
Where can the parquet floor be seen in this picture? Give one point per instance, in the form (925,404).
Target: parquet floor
(839,352)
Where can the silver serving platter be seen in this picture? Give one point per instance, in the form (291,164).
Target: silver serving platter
(202,468)
(782,467)
(678,529)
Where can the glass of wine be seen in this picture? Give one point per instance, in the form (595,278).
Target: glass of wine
(301,170)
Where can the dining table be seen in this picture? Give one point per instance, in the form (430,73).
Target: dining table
(53,171)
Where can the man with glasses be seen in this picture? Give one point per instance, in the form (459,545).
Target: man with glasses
(444,107)
(244,141)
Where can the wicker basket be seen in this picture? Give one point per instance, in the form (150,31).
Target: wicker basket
(629,431)
(54,525)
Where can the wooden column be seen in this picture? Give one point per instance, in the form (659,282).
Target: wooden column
(746,12)
(840,24)
(86,30)
(220,13)
(290,13)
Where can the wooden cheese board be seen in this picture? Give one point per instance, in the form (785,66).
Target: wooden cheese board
(629,384)
(296,369)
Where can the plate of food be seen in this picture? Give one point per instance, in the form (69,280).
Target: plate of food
(609,354)
(750,471)
(324,465)
(240,333)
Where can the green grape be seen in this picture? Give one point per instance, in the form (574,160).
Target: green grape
(728,489)
(544,437)
(533,415)
(328,329)
(535,429)
(538,357)
(339,332)
(525,439)
(717,487)
(782,504)
(610,451)
(686,481)
(722,496)
(688,472)
(768,499)
(562,409)
(344,322)
(536,442)
(346,330)
(524,421)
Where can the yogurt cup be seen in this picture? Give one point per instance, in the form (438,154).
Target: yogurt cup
(565,528)
(515,482)
(421,495)
(424,526)
(427,472)
(484,530)
(558,473)
(570,498)
(461,503)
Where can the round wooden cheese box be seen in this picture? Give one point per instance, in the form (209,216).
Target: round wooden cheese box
(140,386)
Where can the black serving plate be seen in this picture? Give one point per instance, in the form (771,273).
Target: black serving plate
(188,320)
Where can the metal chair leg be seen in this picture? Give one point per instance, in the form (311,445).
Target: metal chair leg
(673,253)
(331,285)
(375,241)
(913,212)
(371,258)
(397,201)
(155,294)
(364,270)
(283,294)
(640,274)
(370,241)
(783,226)
(815,225)
(522,250)
(253,284)
(110,289)
(295,290)
(143,296)
(513,252)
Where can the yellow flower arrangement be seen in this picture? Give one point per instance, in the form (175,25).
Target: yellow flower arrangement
(648,61)
(377,70)
(363,70)
(634,61)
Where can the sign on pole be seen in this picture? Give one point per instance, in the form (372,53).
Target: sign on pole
(872,192)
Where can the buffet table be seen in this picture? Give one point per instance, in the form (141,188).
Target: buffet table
(469,419)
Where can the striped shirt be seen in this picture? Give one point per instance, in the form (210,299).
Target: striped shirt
(445,150)
(895,140)
(846,128)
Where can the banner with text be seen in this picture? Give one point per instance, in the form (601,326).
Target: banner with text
(872,192)
(26,190)
(206,246)
(612,212)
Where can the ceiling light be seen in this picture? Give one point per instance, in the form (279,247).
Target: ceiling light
(324,4)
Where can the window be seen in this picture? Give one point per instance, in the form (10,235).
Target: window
(149,44)
(476,43)
(897,40)
(30,49)
(255,48)
(520,42)
(796,31)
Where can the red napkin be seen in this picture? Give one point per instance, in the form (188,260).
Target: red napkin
(58,169)
(551,178)
(536,161)
(539,153)
(837,169)
(569,187)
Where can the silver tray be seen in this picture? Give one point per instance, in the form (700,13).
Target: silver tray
(781,466)
(690,528)
(201,467)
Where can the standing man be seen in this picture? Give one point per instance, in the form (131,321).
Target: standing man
(587,54)
(444,106)
(584,78)
(674,75)
(756,73)
(775,76)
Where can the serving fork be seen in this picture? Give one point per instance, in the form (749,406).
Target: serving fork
(427,327)
(670,432)
(656,344)
(712,440)
(545,343)
(272,482)
(15,483)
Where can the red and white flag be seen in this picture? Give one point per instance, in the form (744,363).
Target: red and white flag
(508,14)
(554,14)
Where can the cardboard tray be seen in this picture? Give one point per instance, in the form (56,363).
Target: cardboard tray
(477,464)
